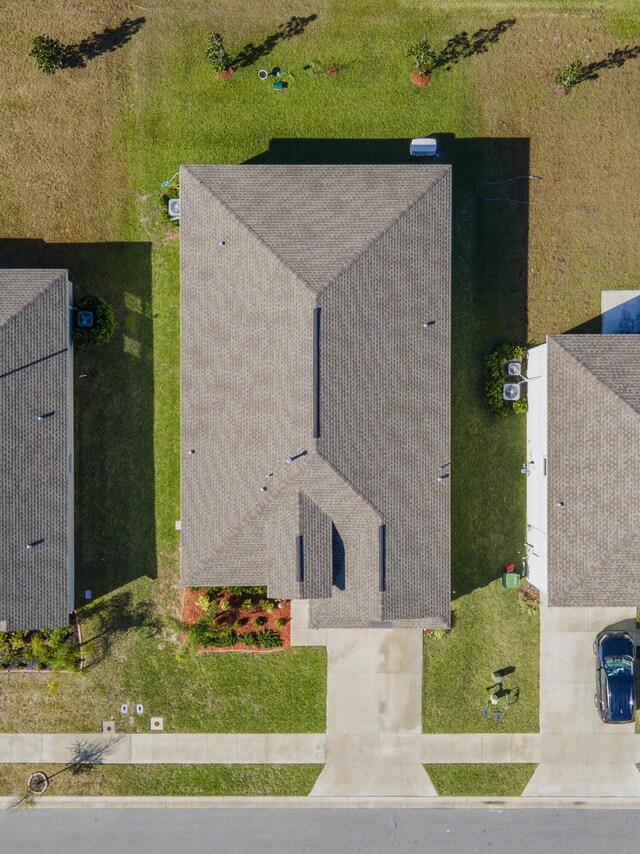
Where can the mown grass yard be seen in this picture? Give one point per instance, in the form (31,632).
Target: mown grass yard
(481,781)
(83,154)
(162,780)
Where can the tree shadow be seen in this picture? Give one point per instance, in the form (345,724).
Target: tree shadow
(614,59)
(250,53)
(116,614)
(463,46)
(489,276)
(97,44)
(115,530)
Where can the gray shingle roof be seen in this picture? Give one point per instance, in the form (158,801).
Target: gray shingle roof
(36,584)
(262,248)
(594,468)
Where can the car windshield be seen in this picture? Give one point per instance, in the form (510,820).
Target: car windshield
(618,665)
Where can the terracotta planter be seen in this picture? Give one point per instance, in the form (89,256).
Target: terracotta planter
(225,75)
(420,79)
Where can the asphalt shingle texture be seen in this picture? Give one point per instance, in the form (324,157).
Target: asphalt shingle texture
(593,470)
(261,248)
(35,583)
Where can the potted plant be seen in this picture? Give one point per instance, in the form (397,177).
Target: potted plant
(218,57)
(424,58)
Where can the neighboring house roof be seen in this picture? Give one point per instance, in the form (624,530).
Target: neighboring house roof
(304,290)
(35,583)
(593,469)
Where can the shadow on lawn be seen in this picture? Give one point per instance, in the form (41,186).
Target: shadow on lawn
(113,406)
(250,53)
(116,614)
(614,59)
(489,307)
(97,44)
(463,46)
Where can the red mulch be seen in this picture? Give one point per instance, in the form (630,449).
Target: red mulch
(191,613)
(420,79)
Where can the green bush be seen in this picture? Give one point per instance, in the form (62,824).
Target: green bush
(424,57)
(495,378)
(244,591)
(571,74)
(203,633)
(217,54)
(51,648)
(259,621)
(104,322)
(266,605)
(266,639)
(436,634)
(48,53)
(281,621)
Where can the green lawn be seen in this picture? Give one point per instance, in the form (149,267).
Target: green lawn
(490,632)
(160,780)
(85,177)
(482,781)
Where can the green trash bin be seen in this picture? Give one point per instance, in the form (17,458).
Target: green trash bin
(511,579)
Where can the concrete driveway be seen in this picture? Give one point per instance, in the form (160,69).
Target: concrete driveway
(580,756)
(374,714)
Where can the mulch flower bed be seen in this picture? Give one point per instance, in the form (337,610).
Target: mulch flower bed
(42,651)
(238,612)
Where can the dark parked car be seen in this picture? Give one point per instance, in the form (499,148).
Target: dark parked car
(615,696)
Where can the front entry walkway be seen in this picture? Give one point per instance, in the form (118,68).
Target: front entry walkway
(374,714)
(580,756)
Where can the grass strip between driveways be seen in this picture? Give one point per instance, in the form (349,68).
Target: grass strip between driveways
(161,780)
(489,781)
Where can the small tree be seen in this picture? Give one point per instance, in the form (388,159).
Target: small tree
(571,74)
(48,53)
(424,57)
(217,54)
(103,323)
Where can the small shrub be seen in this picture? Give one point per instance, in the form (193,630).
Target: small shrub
(281,622)
(266,605)
(266,639)
(104,323)
(424,57)
(223,605)
(203,633)
(495,378)
(203,602)
(260,621)
(244,591)
(247,604)
(217,54)
(436,634)
(571,74)
(240,623)
(48,53)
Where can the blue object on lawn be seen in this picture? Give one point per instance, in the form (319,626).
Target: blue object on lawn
(278,84)
(85,319)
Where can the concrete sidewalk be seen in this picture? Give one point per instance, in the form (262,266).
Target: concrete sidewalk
(151,748)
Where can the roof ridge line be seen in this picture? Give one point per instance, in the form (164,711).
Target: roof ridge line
(351,486)
(384,231)
(252,231)
(595,376)
(36,296)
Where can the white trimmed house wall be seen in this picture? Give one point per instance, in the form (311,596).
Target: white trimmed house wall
(537,466)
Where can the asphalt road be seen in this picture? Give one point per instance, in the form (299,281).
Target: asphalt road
(319,831)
